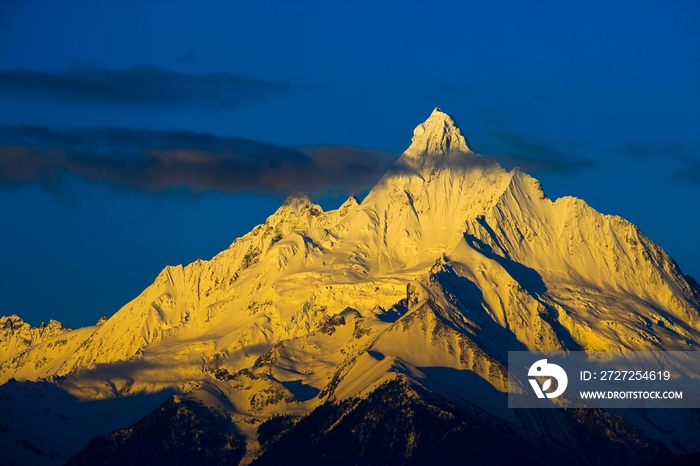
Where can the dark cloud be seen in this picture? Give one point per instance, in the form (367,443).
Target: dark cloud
(141,85)
(537,154)
(154,161)
(26,164)
(353,162)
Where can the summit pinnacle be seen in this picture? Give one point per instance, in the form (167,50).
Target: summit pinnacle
(438,134)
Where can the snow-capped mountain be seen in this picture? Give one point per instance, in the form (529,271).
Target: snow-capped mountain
(448,263)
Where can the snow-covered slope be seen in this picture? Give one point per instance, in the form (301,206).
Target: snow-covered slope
(449,262)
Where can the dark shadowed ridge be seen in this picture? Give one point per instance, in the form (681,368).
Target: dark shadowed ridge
(180,431)
(402,424)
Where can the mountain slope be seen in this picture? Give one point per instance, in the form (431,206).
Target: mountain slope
(400,424)
(448,263)
(191,433)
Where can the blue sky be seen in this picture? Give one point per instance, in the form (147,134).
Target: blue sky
(135,135)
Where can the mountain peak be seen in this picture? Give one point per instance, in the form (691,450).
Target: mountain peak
(296,201)
(438,134)
(297,206)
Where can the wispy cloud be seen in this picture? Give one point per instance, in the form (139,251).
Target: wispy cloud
(684,156)
(141,86)
(351,161)
(154,161)
(492,117)
(20,164)
(690,172)
(537,154)
(456,90)
(676,150)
